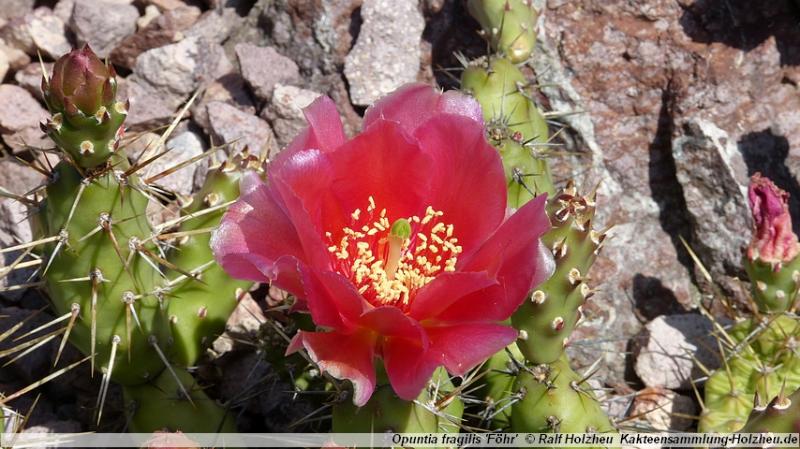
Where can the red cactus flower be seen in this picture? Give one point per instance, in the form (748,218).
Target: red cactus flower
(773,239)
(396,241)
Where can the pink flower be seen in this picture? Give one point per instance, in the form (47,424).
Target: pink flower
(773,239)
(396,241)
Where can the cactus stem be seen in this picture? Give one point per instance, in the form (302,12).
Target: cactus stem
(101,398)
(154,343)
(74,312)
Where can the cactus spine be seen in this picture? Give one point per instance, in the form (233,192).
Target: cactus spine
(130,302)
(761,354)
(781,415)
(546,394)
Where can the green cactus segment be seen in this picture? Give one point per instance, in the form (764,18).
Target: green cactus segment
(163,405)
(509,24)
(553,309)
(94,268)
(554,399)
(767,356)
(501,371)
(437,409)
(774,287)
(87,119)
(198,308)
(514,126)
(782,415)
(89,141)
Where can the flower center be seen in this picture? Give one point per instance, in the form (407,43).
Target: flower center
(389,262)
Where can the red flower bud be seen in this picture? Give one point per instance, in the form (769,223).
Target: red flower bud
(773,239)
(80,81)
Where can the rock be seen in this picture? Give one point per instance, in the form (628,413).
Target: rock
(38,30)
(238,129)
(387,52)
(667,348)
(166,5)
(264,67)
(230,89)
(15,8)
(179,69)
(664,409)
(164,30)
(149,106)
(4,65)
(17,58)
(714,180)
(63,9)
(215,25)
(103,24)
(246,318)
(20,115)
(285,112)
(35,364)
(30,78)
(151,12)
(181,147)
(67,426)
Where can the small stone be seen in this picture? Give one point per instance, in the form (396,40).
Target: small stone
(285,112)
(165,29)
(149,107)
(387,52)
(215,25)
(17,58)
(668,346)
(230,89)
(151,12)
(103,24)
(264,67)
(166,5)
(30,78)
(4,65)
(20,115)
(38,30)
(179,69)
(238,129)
(182,147)
(664,409)
(15,8)
(63,9)
(246,318)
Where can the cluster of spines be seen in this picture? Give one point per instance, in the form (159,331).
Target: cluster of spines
(519,131)
(119,284)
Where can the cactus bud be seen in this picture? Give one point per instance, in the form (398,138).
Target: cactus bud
(82,92)
(773,239)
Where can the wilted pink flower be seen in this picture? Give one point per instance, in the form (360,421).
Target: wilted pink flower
(396,241)
(773,239)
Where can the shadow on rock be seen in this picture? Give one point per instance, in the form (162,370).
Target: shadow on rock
(745,24)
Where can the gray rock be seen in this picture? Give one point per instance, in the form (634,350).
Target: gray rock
(714,179)
(165,29)
(240,130)
(264,67)
(181,147)
(668,347)
(16,58)
(30,78)
(664,409)
(387,52)
(103,24)
(151,12)
(149,106)
(230,89)
(14,8)
(285,112)
(63,9)
(179,69)
(215,25)
(38,30)
(20,115)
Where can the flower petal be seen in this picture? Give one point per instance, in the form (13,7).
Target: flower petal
(384,163)
(469,184)
(343,356)
(324,131)
(513,255)
(389,321)
(460,347)
(239,244)
(331,299)
(408,366)
(446,289)
(413,104)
